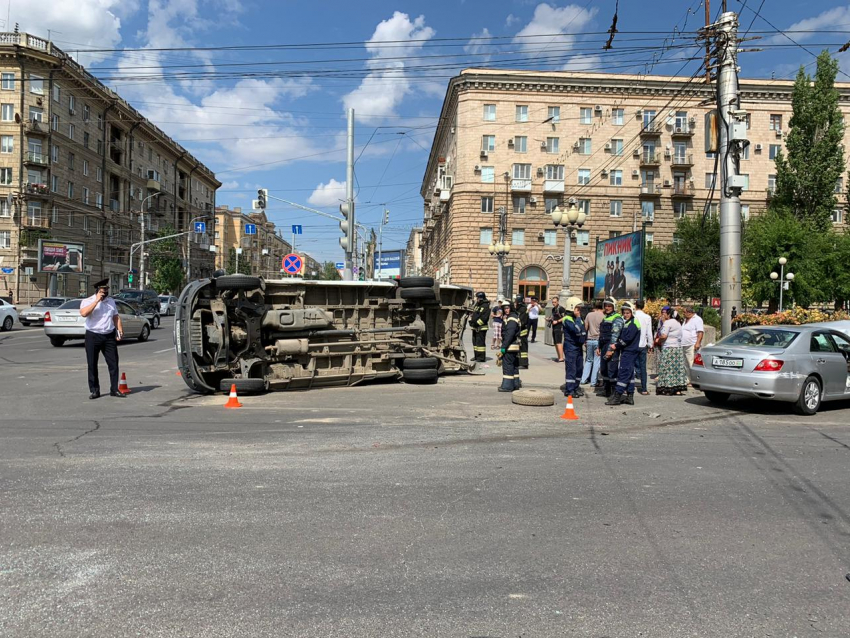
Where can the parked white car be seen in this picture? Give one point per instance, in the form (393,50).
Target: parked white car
(167,304)
(8,315)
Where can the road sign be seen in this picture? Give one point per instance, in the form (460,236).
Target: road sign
(715,302)
(250,229)
(340,268)
(8,271)
(292,264)
(296,229)
(200,227)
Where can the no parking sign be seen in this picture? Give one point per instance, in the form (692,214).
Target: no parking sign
(292,264)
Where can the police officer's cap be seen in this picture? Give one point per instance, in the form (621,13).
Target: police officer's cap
(103,283)
(518,298)
(480,295)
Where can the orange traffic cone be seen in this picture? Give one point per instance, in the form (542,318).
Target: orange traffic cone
(179,374)
(123,388)
(233,401)
(569,413)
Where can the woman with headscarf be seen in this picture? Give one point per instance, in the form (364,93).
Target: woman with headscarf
(672,377)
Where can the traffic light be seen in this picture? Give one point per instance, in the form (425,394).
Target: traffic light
(130,278)
(386,217)
(346,241)
(262,197)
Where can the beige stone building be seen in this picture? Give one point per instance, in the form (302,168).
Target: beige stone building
(629,149)
(77,164)
(413,253)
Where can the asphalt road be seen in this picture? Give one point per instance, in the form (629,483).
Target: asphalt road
(395,510)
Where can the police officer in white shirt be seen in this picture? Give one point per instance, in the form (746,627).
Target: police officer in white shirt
(103,332)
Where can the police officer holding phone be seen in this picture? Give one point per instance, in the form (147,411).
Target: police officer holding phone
(103,332)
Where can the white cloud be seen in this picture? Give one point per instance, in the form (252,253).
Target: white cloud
(476,46)
(329,194)
(386,86)
(230,186)
(583,63)
(555,25)
(511,20)
(87,24)
(825,20)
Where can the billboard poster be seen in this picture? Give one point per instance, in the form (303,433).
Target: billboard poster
(619,267)
(390,264)
(60,257)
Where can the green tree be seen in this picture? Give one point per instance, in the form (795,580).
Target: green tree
(329,272)
(807,177)
(166,267)
(838,271)
(230,266)
(696,257)
(659,273)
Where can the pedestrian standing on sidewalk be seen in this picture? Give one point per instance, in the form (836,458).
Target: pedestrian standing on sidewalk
(646,339)
(510,349)
(627,344)
(592,322)
(672,377)
(103,332)
(496,314)
(479,319)
(574,339)
(693,331)
(533,315)
(556,321)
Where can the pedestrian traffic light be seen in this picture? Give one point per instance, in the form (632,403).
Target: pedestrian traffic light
(130,278)
(262,197)
(346,241)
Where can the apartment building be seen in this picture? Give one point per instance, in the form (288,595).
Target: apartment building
(630,150)
(78,164)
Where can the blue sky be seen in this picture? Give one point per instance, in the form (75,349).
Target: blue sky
(274,117)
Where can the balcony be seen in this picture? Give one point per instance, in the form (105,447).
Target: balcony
(445,194)
(521,185)
(553,186)
(37,189)
(683,160)
(683,129)
(36,159)
(682,190)
(650,159)
(36,127)
(651,129)
(650,189)
(35,222)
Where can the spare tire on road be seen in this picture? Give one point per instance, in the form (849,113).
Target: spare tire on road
(532,397)
(420,363)
(238,282)
(421,294)
(420,376)
(416,282)
(243,386)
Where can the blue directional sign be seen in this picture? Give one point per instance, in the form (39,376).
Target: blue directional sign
(292,264)
(296,229)
(7,271)
(250,229)
(200,227)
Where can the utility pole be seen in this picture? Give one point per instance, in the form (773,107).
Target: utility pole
(384,220)
(707,43)
(142,252)
(351,232)
(733,134)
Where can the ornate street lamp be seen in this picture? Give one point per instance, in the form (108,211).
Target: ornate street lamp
(570,219)
(783,278)
(500,250)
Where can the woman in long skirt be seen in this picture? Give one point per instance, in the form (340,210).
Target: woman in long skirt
(672,375)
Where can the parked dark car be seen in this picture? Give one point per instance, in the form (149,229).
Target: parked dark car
(145,301)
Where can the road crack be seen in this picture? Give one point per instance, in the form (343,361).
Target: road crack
(58,445)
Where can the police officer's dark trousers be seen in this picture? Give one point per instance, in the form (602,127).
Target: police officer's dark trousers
(95,344)
(626,373)
(573,361)
(479,344)
(510,371)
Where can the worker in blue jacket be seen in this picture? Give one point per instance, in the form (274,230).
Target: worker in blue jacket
(628,346)
(575,337)
(609,332)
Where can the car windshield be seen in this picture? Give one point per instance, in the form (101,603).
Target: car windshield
(164,299)
(760,338)
(74,304)
(48,303)
(129,294)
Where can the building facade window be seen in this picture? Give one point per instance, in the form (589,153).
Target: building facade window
(775,122)
(521,144)
(650,237)
(584,146)
(5,208)
(618,117)
(520,204)
(485,236)
(85,167)
(71,161)
(552,144)
(7,112)
(647,210)
(70,190)
(773,151)
(56,92)
(488,174)
(36,84)
(585,115)
(71,130)
(680,209)
(7,81)
(5,239)
(522,171)
(837,216)
(583,176)
(54,122)
(553,114)
(745,212)
(487,204)
(54,185)
(616,147)
(7,143)
(616,209)
(6,176)
(616,177)
(99,174)
(85,195)
(518,237)
(584,206)
(771,183)
(488,143)
(554,171)
(522,113)
(550,203)
(98,200)
(489,112)
(550,237)
(710,180)
(583,238)
(746,182)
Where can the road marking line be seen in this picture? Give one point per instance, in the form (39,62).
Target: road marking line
(171,349)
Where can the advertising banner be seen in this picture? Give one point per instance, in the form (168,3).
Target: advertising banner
(390,264)
(619,267)
(60,257)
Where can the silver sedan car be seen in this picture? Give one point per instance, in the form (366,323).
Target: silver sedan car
(65,322)
(804,365)
(35,313)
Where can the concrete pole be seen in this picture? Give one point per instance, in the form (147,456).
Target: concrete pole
(142,253)
(500,284)
(349,196)
(730,201)
(565,286)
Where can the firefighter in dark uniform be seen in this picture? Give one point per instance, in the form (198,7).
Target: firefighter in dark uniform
(510,349)
(522,314)
(628,345)
(480,317)
(575,337)
(609,332)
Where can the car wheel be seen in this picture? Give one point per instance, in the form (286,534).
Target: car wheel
(7,323)
(238,282)
(717,397)
(416,282)
(532,397)
(145,333)
(421,363)
(245,386)
(421,376)
(57,342)
(155,322)
(810,397)
(421,294)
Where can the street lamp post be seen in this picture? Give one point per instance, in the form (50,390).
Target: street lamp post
(142,255)
(569,219)
(500,249)
(783,278)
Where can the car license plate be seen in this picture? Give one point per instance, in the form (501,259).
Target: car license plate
(63,319)
(720,362)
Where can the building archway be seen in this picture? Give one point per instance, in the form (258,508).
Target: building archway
(588,284)
(534,282)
